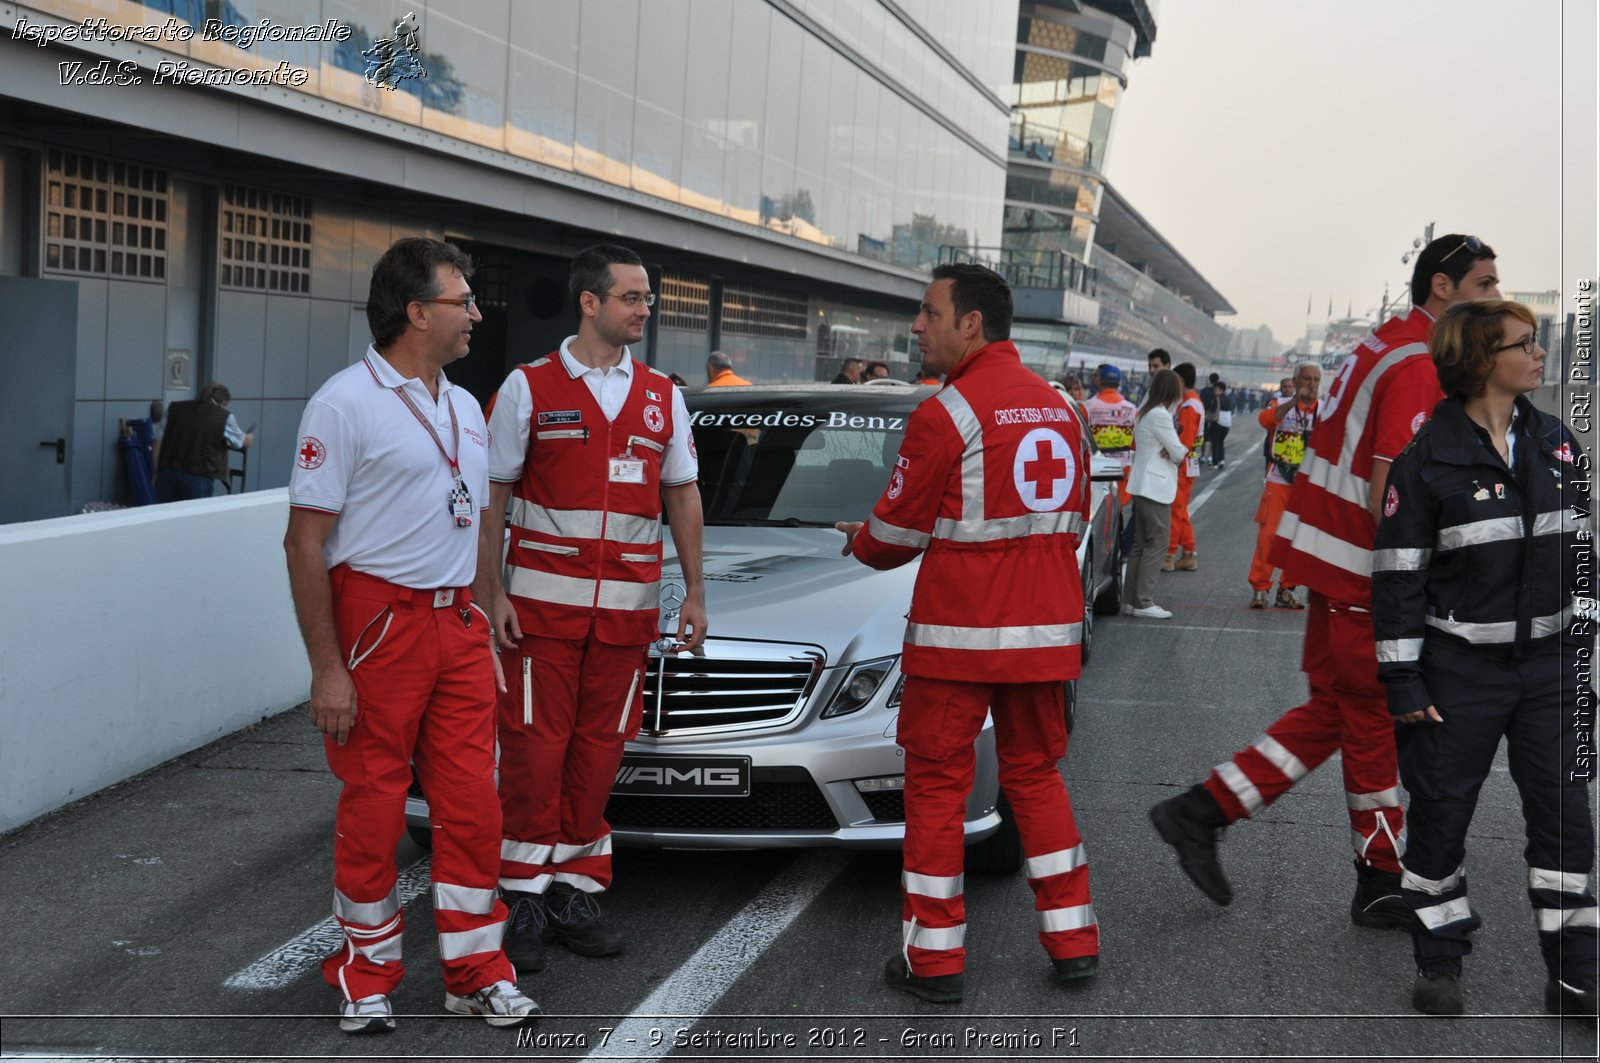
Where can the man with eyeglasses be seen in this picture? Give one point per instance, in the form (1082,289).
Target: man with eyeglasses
(382,545)
(1383,393)
(588,445)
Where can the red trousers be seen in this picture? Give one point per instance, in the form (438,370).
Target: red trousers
(569,708)
(939,722)
(1349,713)
(424,685)
(1274,497)
(1182,531)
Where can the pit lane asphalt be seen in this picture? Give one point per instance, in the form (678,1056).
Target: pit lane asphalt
(126,915)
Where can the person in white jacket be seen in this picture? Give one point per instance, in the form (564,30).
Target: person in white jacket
(1153,484)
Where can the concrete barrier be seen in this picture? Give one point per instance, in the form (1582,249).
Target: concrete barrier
(130,637)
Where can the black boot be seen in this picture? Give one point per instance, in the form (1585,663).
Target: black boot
(572,917)
(524,939)
(934,988)
(1575,998)
(1191,823)
(1437,990)
(1076,968)
(1377,903)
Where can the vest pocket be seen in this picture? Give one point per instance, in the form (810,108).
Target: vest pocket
(647,443)
(549,548)
(643,559)
(562,433)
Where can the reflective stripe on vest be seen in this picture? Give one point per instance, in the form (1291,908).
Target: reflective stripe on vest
(584,523)
(579,592)
(1021,637)
(971,432)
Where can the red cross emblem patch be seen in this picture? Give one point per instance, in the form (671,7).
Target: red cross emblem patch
(311,453)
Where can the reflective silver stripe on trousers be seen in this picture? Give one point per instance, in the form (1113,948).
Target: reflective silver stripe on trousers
(536,884)
(1560,881)
(1549,625)
(1058,863)
(1552,920)
(1434,887)
(971,432)
(582,882)
(1389,798)
(385,951)
(1442,915)
(459,944)
(1332,549)
(939,887)
(1022,637)
(367,913)
(1558,521)
(885,532)
(918,936)
(575,591)
(987,531)
(565,853)
(467,899)
(1479,532)
(1055,920)
(1413,560)
(1398,651)
(584,523)
(1242,787)
(525,852)
(1280,757)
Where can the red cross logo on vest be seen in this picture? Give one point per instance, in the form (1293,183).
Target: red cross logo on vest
(1044,470)
(311,453)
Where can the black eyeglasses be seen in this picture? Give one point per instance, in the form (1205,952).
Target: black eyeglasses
(1527,343)
(469,302)
(1471,243)
(629,298)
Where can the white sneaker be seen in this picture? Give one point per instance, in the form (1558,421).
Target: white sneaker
(500,1004)
(372,1014)
(1152,612)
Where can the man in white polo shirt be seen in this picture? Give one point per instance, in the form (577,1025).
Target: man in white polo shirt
(588,447)
(382,546)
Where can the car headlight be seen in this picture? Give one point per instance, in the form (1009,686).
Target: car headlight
(859,687)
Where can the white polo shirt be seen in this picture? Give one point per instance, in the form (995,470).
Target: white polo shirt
(513,411)
(363,455)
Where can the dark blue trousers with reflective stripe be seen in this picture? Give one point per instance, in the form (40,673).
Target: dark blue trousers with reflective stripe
(1540,706)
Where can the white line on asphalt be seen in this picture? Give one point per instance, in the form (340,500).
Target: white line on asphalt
(307,949)
(1205,496)
(729,953)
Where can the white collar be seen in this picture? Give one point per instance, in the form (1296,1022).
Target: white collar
(576,369)
(388,376)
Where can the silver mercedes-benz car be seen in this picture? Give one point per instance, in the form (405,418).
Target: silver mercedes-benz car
(780,731)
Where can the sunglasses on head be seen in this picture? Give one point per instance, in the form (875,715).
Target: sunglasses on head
(1471,243)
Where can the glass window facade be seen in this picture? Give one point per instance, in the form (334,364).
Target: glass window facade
(831,121)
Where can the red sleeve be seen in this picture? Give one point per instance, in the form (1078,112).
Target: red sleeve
(902,521)
(1408,394)
(1268,417)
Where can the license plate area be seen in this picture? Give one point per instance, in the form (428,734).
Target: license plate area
(656,775)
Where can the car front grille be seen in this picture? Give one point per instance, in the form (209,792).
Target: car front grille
(888,806)
(780,799)
(733,685)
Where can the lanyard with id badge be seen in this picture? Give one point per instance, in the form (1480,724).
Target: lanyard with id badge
(628,468)
(459,503)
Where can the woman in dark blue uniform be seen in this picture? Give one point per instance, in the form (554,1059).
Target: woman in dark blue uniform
(1481,583)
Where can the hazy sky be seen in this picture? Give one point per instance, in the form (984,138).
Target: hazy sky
(1295,147)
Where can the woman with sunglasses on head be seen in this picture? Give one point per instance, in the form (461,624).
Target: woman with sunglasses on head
(1484,545)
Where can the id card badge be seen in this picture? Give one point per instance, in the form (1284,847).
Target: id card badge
(461,505)
(1191,467)
(627,470)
